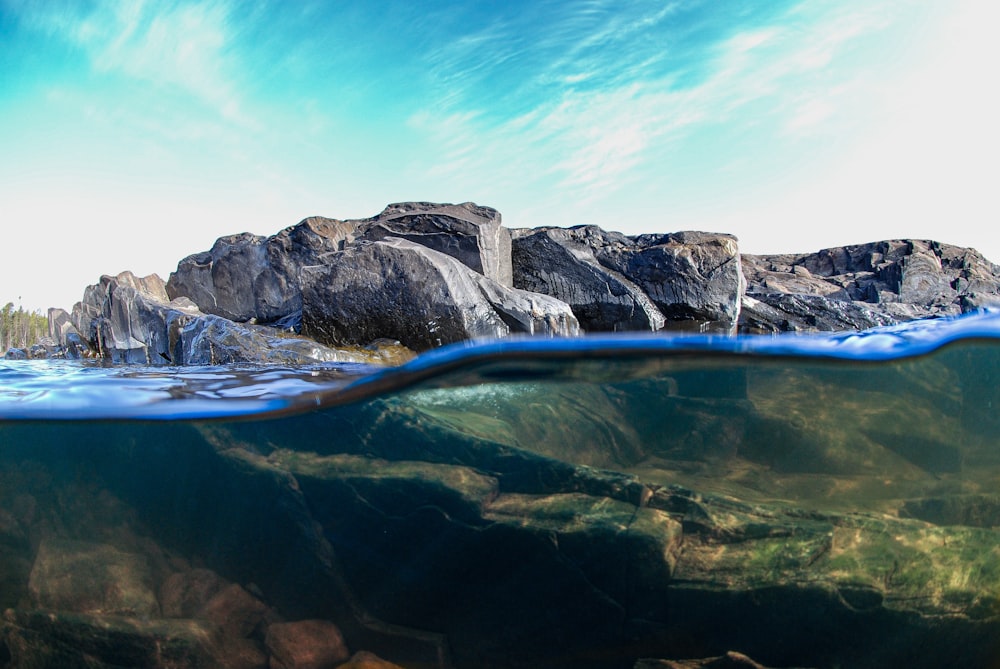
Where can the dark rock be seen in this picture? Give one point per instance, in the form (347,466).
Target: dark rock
(684,276)
(562,263)
(731,660)
(403,290)
(248,277)
(688,275)
(16,354)
(128,320)
(306,644)
(48,640)
(467,232)
(796,312)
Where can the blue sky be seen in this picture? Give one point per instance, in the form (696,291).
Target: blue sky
(134,133)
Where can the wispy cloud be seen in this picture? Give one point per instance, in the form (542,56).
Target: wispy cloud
(179,47)
(781,75)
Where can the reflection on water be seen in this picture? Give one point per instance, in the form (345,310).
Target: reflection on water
(806,501)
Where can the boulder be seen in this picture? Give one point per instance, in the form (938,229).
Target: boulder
(366,660)
(562,263)
(399,289)
(247,277)
(91,578)
(129,320)
(59,639)
(467,232)
(688,275)
(306,644)
(617,282)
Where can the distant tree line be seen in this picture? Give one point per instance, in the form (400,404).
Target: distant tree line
(20,328)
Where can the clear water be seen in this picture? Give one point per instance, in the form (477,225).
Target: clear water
(806,500)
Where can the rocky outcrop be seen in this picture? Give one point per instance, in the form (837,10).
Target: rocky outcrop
(129,320)
(248,277)
(615,282)
(563,263)
(855,287)
(428,274)
(423,298)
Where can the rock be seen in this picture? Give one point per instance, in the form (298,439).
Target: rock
(399,289)
(730,660)
(61,325)
(16,354)
(235,611)
(792,312)
(855,287)
(247,277)
(91,578)
(467,232)
(365,660)
(562,263)
(688,275)
(306,644)
(619,282)
(128,320)
(57,639)
(184,594)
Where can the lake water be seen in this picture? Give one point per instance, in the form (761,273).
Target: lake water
(596,502)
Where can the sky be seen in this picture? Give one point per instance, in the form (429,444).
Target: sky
(133,134)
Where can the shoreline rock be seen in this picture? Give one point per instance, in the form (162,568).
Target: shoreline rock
(429,274)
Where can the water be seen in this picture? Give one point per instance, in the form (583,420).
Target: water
(806,500)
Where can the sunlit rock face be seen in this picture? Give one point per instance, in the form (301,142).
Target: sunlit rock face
(403,290)
(856,287)
(129,320)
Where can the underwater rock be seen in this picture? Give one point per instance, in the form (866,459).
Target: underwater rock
(49,639)
(91,578)
(402,290)
(366,660)
(185,594)
(306,644)
(731,660)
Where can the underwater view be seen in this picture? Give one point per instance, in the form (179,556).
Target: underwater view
(615,501)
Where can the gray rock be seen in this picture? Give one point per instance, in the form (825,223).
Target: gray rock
(797,312)
(688,275)
(853,287)
(129,320)
(402,290)
(247,277)
(467,232)
(562,263)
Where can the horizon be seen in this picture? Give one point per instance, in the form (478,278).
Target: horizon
(137,134)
